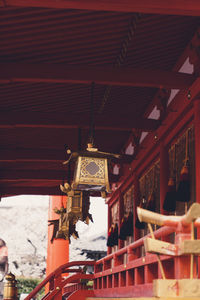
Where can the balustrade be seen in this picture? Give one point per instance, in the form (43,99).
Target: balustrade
(125,272)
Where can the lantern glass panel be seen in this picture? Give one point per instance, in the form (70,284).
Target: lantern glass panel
(91,173)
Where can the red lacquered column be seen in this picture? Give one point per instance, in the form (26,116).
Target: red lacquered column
(109,224)
(135,204)
(58,251)
(197,146)
(197,156)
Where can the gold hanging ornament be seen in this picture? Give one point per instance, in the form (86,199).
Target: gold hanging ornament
(91,165)
(91,170)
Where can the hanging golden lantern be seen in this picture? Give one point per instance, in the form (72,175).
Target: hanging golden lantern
(91,166)
(74,204)
(77,209)
(91,172)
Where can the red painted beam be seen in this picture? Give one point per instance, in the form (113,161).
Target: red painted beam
(42,175)
(32,155)
(29,190)
(55,73)
(51,120)
(33,190)
(37,155)
(175,7)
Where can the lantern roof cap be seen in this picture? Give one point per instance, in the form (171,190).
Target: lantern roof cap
(91,152)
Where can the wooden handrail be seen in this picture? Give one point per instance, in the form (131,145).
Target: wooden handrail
(161,232)
(58,272)
(70,279)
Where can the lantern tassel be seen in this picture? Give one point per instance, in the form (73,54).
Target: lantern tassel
(170,198)
(169,203)
(183,191)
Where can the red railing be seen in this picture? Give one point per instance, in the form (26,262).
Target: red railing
(129,272)
(126,272)
(57,282)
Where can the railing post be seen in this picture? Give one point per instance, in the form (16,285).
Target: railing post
(116,260)
(57,284)
(109,249)
(182,263)
(136,233)
(131,255)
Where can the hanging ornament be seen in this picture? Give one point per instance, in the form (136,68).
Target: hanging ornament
(55,224)
(151,201)
(169,203)
(115,235)
(123,229)
(110,240)
(130,224)
(183,191)
(91,165)
(138,224)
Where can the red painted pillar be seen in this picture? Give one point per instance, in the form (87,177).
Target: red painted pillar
(197,146)
(109,224)
(58,251)
(197,157)
(164,174)
(135,204)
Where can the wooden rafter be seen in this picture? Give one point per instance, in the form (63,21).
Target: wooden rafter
(52,73)
(34,175)
(28,155)
(69,121)
(175,7)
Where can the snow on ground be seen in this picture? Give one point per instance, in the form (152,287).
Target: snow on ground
(24,225)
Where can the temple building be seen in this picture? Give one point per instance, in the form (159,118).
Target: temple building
(102,99)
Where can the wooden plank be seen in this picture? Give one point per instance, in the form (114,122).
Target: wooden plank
(160,247)
(173,288)
(189,247)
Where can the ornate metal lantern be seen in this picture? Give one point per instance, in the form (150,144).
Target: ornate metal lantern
(74,201)
(91,170)
(78,205)
(74,204)
(91,173)
(91,166)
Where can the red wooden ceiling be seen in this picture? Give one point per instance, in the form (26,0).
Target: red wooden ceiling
(51,51)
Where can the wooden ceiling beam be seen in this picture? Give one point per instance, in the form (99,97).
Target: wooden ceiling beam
(29,190)
(7,191)
(13,154)
(175,7)
(55,73)
(29,155)
(42,175)
(11,120)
